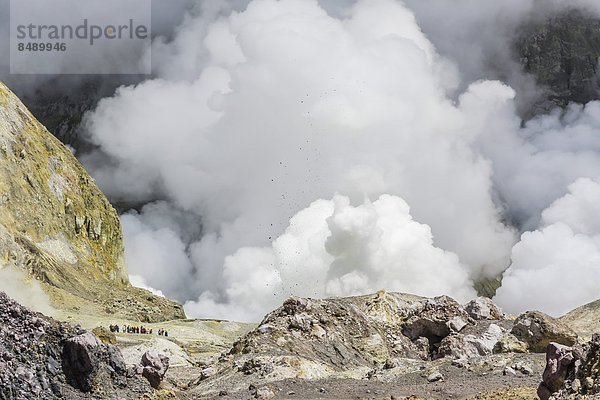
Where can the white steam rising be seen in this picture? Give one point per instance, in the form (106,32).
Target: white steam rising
(259,117)
(334,249)
(555,268)
(22,288)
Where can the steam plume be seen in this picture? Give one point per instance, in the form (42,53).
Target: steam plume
(298,147)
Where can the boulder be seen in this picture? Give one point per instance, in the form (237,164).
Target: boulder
(538,330)
(523,368)
(472,343)
(487,341)
(457,324)
(153,367)
(571,372)
(483,308)
(435,377)
(559,360)
(87,362)
(509,343)
(265,393)
(80,360)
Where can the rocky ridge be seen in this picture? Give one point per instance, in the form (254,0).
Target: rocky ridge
(383,338)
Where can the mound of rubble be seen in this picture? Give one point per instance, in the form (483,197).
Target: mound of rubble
(369,336)
(41,358)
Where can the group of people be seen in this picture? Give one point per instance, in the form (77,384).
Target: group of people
(162,332)
(136,329)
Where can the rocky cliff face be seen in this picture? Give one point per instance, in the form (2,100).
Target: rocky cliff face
(562,53)
(53,216)
(56,223)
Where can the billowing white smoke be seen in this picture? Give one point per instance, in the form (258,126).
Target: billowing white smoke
(556,268)
(534,166)
(21,287)
(334,249)
(261,117)
(155,240)
(264,130)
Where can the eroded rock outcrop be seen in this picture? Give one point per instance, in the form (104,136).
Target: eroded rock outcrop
(364,337)
(53,215)
(538,330)
(339,333)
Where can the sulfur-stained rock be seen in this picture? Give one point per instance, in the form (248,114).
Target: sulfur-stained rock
(538,330)
(57,225)
(509,343)
(105,336)
(46,192)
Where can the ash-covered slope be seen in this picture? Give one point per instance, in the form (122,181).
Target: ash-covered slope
(585,320)
(56,223)
(41,358)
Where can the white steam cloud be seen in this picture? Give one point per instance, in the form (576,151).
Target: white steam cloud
(281,145)
(556,268)
(22,288)
(334,249)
